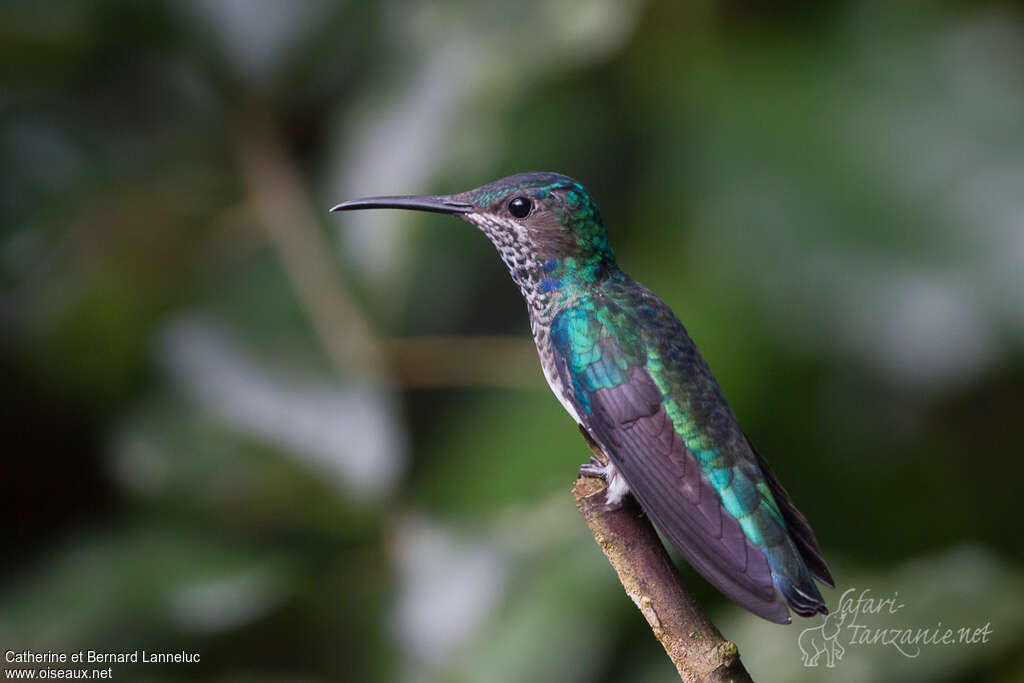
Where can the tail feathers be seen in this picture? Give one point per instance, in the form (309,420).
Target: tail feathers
(795,583)
(799,600)
(798,527)
(795,563)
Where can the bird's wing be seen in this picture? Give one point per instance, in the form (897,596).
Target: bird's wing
(602,364)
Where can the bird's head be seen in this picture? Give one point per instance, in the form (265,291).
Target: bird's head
(534,220)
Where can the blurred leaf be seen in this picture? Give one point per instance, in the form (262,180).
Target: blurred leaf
(520,447)
(147,580)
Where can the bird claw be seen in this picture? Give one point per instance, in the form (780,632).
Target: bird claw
(594,468)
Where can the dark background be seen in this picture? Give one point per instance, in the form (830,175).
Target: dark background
(319,447)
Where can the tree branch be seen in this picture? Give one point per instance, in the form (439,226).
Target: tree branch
(646,572)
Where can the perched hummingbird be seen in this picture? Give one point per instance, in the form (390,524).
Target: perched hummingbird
(626,370)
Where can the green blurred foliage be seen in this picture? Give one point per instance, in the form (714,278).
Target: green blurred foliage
(829,198)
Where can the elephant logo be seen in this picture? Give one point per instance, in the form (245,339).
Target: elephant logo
(822,640)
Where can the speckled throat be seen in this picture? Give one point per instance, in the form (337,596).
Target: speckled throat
(521,256)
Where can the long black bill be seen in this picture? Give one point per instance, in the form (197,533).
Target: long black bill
(435,203)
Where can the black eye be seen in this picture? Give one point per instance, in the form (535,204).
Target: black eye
(520,207)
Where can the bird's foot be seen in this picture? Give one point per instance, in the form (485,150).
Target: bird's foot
(594,468)
(606,472)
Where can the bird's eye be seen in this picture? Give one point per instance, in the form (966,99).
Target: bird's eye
(520,207)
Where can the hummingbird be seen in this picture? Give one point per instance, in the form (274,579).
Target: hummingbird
(625,369)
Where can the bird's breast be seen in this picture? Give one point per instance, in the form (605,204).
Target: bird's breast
(548,364)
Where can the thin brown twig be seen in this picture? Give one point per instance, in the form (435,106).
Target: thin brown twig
(462,361)
(277,201)
(278,197)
